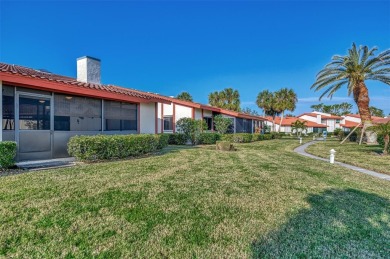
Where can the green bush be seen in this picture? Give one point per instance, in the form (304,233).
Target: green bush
(191,128)
(267,136)
(209,138)
(7,154)
(177,139)
(105,147)
(381,142)
(276,135)
(162,140)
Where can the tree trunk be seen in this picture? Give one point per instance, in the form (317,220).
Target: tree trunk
(281,119)
(386,140)
(360,95)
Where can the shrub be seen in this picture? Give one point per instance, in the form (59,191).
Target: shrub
(7,154)
(191,128)
(276,135)
(177,139)
(257,137)
(162,140)
(222,124)
(105,147)
(209,138)
(267,136)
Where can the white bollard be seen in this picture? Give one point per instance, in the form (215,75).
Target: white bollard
(332,153)
(300,140)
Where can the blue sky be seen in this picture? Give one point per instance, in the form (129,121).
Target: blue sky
(197,46)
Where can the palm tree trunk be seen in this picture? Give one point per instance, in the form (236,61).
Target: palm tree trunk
(360,94)
(281,119)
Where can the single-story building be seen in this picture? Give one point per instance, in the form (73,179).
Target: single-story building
(286,125)
(41,110)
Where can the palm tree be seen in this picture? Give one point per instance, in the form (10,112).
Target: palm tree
(226,99)
(286,99)
(383,130)
(267,102)
(185,96)
(298,126)
(352,70)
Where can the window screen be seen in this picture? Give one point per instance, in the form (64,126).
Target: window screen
(8,108)
(34,113)
(74,113)
(209,122)
(120,116)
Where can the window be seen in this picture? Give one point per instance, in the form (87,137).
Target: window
(120,116)
(209,122)
(34,113)
(337,121)
(168,123)
(75,113)
(323,121)
(8,108)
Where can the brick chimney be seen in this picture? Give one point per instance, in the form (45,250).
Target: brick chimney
(88,70)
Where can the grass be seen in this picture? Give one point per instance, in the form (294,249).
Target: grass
(369,157)
(261,201)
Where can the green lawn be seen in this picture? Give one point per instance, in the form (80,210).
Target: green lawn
(262,200)
(369,157)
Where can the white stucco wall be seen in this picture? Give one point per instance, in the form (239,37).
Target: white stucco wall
(182,112)
(349,118)
(198,114)
(168,109)
(309,118)
(147,118)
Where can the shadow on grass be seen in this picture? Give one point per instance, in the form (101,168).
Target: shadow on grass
(339,223)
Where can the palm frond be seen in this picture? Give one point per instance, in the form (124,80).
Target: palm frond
(383,78)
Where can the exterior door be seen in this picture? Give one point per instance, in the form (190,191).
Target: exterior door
(33,126)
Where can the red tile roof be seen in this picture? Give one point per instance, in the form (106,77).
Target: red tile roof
(10,74)
(349,124)
(331,117)
(33,78)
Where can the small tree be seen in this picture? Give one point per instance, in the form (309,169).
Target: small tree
(191,128)
(383,131)
(222,124)
(299,127)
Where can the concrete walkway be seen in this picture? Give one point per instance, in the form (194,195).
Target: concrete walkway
(46,164)
(301,150)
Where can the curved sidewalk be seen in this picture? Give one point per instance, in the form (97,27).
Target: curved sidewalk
(301,150)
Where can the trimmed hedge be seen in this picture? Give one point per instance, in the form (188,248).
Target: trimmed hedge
(209,138)
(105,147)
(177,139)
(7,154)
